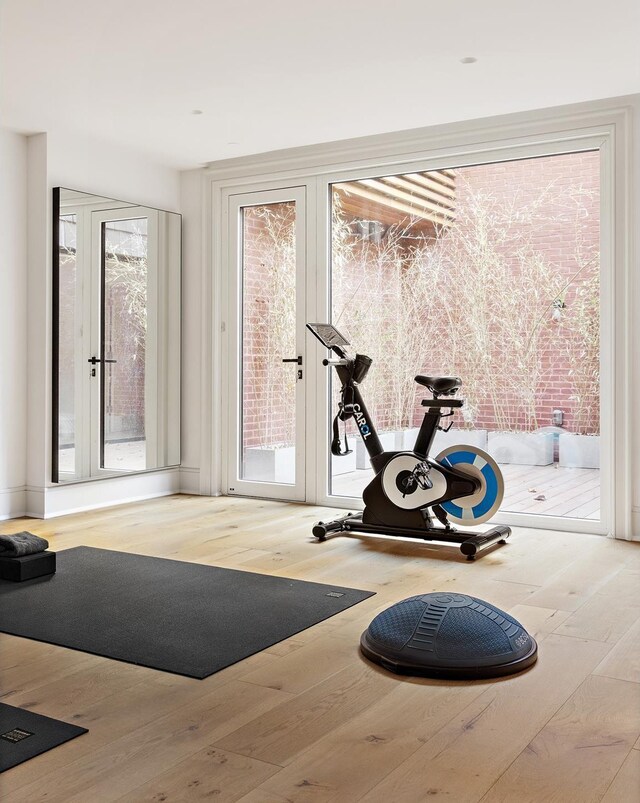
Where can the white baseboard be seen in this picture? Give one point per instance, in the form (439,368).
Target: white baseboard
(13,503)
(34,502)
(189,480)
(59,500)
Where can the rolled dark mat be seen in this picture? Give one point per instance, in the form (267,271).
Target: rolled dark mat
(18,544)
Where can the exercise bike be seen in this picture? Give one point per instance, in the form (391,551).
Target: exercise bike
(462,484)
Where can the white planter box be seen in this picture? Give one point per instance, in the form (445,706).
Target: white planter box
(522,448)
(270,465)
(404,440)
(265,464)
(346,463)
(579,451)
(391,441)
(459,437)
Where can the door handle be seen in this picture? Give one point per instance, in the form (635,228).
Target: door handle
(96,360)
(297,359)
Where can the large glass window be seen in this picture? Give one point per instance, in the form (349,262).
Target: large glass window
(490,273)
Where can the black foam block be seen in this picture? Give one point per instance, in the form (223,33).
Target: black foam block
(27,567)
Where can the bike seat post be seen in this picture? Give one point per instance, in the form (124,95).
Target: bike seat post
(427,431)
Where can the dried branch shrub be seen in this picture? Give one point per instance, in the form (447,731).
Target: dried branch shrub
(582,326)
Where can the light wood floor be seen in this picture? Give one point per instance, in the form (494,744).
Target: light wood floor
(309,719)
(551,490)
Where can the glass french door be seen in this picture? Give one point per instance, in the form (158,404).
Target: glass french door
(123,388)
(267,366)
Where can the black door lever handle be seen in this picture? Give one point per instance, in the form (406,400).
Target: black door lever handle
(95,360)
(297,359)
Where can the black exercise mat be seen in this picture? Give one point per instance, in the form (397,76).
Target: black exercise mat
(179,617)
(24,734)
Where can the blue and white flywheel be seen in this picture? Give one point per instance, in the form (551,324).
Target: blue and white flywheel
(481,505)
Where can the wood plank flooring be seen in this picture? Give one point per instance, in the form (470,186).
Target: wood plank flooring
(551,490)
(309,719)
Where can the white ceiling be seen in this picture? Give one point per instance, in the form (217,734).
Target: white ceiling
(272,74)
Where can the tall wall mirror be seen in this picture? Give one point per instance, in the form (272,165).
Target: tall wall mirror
(116,337)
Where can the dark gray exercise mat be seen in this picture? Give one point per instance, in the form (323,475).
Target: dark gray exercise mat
(179,617)
(24,734)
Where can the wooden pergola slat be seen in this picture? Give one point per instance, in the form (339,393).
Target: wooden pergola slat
(430,198)
(412,200)
(412,209)
(429,183)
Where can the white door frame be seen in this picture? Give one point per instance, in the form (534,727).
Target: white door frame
(235,484)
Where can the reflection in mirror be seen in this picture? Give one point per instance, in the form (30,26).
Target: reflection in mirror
(116,337)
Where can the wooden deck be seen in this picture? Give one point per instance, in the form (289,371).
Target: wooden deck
(309,719)
(573,492)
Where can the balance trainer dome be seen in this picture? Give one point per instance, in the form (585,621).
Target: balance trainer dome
(446,635)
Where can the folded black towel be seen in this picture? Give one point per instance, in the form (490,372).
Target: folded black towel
(19,544)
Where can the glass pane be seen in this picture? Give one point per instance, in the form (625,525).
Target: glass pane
(66,344)
(490,273)
(268,336)
(124,342)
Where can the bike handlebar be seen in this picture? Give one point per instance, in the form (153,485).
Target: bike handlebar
(335,362)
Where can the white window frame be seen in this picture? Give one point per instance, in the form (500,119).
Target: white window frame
(605,126)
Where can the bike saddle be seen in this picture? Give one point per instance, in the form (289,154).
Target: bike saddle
(440,385)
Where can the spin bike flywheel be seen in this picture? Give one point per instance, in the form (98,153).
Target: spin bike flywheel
(482,505)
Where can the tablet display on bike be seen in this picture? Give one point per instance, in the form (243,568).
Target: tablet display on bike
(327,334)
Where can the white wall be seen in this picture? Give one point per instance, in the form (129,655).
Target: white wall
(104,169)
(13,324)
(38,314)
(634,383)
(191,185)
